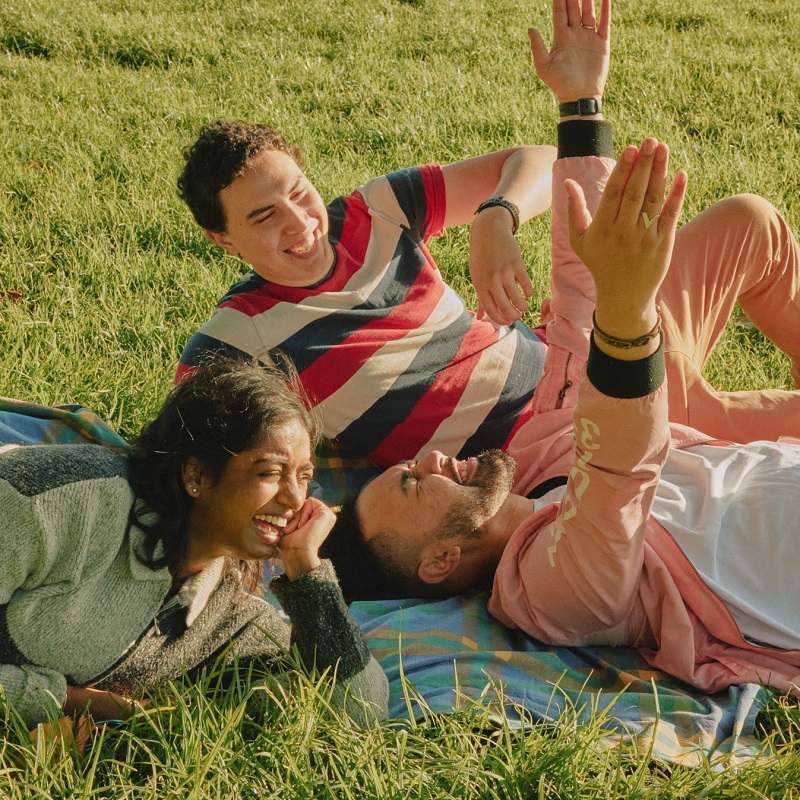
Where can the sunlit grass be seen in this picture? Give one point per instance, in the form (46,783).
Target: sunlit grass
(103,276)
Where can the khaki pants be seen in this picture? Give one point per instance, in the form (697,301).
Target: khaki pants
(739,249)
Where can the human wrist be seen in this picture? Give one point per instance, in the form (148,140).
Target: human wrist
(493,221)
(297,563)
(500,209)
(625,378)
(628,337)
(580,106)
(625,320)
(578,138)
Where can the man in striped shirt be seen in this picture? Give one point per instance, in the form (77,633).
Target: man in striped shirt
(387,352)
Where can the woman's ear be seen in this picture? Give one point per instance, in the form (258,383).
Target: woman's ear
(194,477)
(436,566)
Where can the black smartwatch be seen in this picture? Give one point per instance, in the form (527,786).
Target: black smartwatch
(584,107)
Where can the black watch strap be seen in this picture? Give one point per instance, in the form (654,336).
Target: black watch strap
(584,107)
(506,204)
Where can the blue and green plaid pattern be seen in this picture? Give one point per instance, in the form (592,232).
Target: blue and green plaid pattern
(454,654)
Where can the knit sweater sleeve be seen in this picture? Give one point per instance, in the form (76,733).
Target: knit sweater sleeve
(34,692)
(64,510)
(326,636)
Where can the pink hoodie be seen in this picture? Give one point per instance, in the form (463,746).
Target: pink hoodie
(597,568)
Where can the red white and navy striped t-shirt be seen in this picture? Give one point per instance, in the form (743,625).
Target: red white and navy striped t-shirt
(394,362)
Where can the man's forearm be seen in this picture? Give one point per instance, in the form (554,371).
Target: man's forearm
(522,174)
(527,179)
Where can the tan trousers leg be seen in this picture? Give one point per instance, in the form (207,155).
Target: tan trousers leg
(739,249)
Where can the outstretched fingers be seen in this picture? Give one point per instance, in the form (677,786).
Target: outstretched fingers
(560,14)
(576,13)
(671,210)
(604,23)
(654,193)
(642,184)
(608,207)
(588,18)
(630,239)
(634,194)
(577,212)
(573,12)
(541,55)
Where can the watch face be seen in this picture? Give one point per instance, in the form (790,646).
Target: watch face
(586,106)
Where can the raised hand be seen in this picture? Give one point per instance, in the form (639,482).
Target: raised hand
(303,536)
(628,245)
(577,64)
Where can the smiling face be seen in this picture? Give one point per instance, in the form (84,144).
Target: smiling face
(241,512)
(276,221)
(414,506)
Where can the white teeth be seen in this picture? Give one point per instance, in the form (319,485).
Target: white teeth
(303,247)
(458,469)
(278,522)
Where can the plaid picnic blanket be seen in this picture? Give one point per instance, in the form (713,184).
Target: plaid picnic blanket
(30,423)
(447,655)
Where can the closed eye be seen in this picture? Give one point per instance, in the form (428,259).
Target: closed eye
(405,478)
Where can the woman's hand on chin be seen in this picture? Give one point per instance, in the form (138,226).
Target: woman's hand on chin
(303,536)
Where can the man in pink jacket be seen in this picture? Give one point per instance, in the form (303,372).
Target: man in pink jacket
(620,528)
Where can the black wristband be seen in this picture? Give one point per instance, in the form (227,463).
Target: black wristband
(625,380)
(506,204)
(585,137)
(584,107)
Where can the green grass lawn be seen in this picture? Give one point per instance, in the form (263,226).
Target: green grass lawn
(103,277)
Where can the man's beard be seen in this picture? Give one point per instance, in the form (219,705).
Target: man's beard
(487,489)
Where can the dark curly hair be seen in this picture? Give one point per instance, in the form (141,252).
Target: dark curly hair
(224,408)
(222,151)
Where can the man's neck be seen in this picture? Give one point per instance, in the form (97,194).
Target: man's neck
(514,511)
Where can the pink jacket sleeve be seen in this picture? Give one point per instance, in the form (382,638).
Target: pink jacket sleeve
(573,569)
(568,313)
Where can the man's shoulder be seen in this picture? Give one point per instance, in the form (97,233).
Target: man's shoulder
(236,325)
(404,197)
(250,285)
(400,182)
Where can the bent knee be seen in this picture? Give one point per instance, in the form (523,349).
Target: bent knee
(746,210)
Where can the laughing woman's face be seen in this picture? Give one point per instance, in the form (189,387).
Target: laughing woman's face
(242,512)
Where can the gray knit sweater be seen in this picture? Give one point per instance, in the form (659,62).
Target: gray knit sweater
(78,607)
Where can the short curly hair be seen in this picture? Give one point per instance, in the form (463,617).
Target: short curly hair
(221,152)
